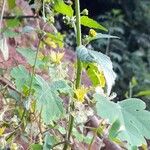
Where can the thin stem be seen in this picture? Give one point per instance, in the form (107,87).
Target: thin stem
(79,68)
(94,136)
(32,75)
(2,13)
(59,144)
(20,17)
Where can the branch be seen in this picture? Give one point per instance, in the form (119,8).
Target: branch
(20,17)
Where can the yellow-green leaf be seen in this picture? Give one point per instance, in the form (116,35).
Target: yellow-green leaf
(88,22)
(63,8)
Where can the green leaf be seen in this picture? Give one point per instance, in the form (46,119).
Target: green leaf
(21,76)
(48,102)
(114,130)
(143,93)
(88,22)
(93,72)
(102,60)
(63,8)
(11,4)
(132,115)
(13,23)
(10,34)
(102,36)
(30,56)
(49,141)
(36,147)
(61,86)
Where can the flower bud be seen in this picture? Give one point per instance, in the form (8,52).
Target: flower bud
(85,12)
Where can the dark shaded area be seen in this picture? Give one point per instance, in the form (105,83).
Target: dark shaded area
(98,7)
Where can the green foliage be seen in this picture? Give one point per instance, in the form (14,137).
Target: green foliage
(101,36)
(103,61)
(49,104)
(13,23)
(88,22)
(36,147)
(144,93)
(114,130)
(11,4)
(132,116)
(10,34)
(21,76)
(63,8)
(49,141)
(30,56)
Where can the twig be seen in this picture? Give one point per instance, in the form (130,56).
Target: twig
(19,17)
(6,82)
(95,134)
(2,13)
(59,144)
(13,132)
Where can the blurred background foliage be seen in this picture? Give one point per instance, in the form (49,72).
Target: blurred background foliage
(129,20)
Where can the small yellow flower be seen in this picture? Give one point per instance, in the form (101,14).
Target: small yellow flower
(56,57)
(92,33)
(80,93)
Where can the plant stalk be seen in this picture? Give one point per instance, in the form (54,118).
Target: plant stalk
(79,68)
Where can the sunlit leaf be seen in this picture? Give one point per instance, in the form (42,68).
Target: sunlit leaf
(11,4)
(63,8)
(13,23)
(95,75)
(103,63)
(36,147)
(143,93)
(88,22)
(132,116)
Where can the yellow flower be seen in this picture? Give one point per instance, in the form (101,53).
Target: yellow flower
(56,57)
(92,33)
(80,93)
